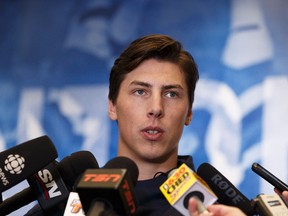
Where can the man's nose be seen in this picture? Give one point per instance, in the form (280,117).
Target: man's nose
(155,107)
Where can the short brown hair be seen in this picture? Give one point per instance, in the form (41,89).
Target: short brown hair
(155,46)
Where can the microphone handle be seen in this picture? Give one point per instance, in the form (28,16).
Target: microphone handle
(17,201)
(98,208)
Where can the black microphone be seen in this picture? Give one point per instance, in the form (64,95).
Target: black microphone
(69,168)
(269,177)
(23,160)
(110,190)
(226,192)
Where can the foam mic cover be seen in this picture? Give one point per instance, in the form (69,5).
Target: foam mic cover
(226,192)
(69,168)
(110,188)
(23,160)
(124,163)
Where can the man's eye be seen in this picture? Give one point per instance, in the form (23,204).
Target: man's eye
(139,92)
(171,94)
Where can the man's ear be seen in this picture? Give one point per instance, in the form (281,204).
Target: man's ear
(188,117)
(112,111)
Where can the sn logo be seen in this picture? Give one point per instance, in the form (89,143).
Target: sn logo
(49,182)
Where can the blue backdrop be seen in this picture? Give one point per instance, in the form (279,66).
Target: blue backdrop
(55,59)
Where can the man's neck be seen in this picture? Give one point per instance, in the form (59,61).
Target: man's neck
(149,169)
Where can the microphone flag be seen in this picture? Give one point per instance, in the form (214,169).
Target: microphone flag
(109,186)
(184,184)
(74,206)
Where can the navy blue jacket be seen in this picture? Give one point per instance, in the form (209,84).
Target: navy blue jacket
(150,199)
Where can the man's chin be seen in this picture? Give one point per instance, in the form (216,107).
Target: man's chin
(157,158)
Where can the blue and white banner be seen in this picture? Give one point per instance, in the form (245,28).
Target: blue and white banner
(55,60)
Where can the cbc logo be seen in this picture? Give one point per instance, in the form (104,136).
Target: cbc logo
(14,164)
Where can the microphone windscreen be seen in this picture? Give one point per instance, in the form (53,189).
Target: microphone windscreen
(226,192)
(124,163)
(71,167)
(23,160)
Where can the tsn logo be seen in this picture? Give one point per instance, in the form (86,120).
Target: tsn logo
(101,177)
(50,184)
(128,196)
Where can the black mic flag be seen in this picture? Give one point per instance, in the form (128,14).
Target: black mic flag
(110,189)
(23,160)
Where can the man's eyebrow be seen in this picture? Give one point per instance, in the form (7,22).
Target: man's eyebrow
(140,83)
(165,87)
(173,86)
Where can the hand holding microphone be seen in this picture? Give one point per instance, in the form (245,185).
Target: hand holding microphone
(274,204)
(213,210)
(190,195)
(228,194)
(233,202)
(197,208)
(280,187)
(184,184)
(284,195)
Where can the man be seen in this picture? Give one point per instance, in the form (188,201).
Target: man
(151,93)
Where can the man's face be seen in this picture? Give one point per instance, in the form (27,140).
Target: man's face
(151,109)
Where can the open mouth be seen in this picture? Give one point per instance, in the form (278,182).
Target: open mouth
(153,134)
(152,131)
